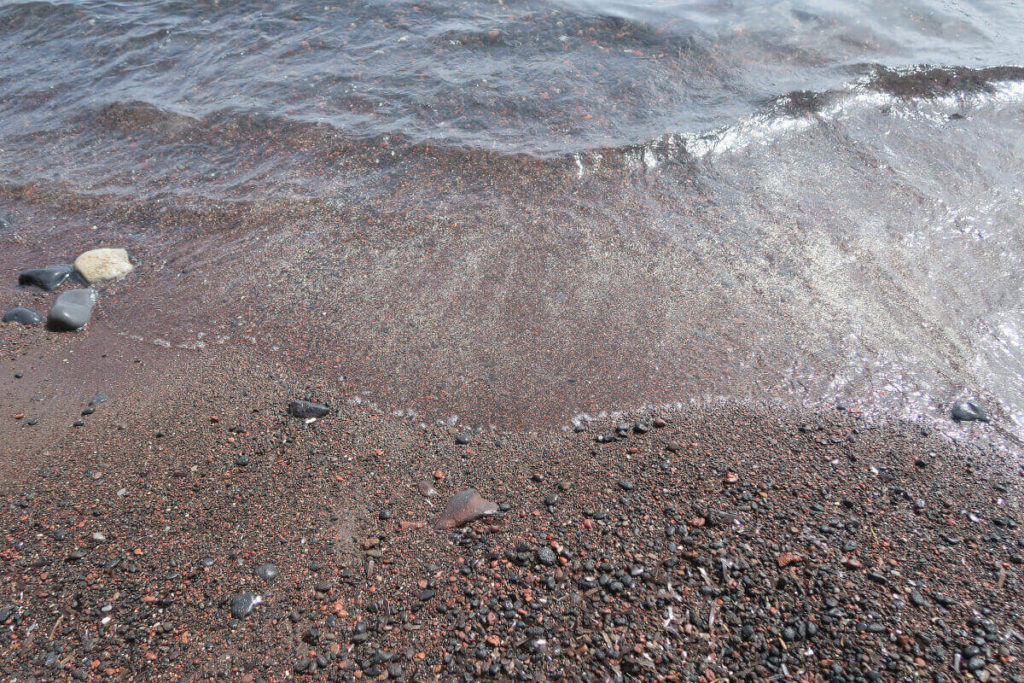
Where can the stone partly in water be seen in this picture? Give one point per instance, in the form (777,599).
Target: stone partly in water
(72,310)
(45,278)
(463,508)
(306,409)
(969,411)
(25,316)
(103,265)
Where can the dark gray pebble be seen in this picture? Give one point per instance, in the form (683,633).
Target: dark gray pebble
(23,316)
(241,605)
(307,409)
(72,310)
(969,411)
(46,278)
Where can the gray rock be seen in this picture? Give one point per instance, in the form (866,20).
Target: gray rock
(45,278)
(24,316)
(241,605)
(969,411)
(546,556)
(72,310)
(307,409)
(267,572)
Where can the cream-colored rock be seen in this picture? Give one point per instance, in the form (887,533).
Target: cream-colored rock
(103,265)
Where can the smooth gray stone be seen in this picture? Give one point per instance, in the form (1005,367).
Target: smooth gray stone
(46,278)
(72,310)
(241,605)
(969,411)
(25,316)
(306,409)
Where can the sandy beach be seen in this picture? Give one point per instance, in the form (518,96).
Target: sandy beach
(731,543)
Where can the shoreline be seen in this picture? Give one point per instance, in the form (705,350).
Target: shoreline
(766,544)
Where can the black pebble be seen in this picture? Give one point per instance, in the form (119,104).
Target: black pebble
(23,316)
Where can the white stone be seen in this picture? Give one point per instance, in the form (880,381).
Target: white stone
(103,265)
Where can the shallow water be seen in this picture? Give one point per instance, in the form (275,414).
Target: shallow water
(518,212)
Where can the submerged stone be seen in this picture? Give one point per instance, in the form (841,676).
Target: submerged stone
(463,508)
(969,411)
(72,310)
(103,265)
(307,409)
(45,278)
(25,316)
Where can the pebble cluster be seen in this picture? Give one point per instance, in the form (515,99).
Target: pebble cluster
(73,308)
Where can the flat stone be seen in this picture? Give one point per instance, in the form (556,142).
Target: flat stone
(103,265)
(24,316)
(427,489)
(307,409)
(45,278)
(969,411)
(463,508)
(72,310)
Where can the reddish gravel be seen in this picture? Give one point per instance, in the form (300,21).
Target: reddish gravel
(732,543)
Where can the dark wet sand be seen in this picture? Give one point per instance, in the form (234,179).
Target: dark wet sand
(865,550)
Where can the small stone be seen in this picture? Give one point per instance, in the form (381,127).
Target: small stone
(72,310)
(786,559)
(22,316)
(45,278)
(306,409)
(241,459)
(463,508)
(99,266)
(626,485)
(427,489)
(546,556)
(969,411)
(659,422)
(241,605)
(463,438)
(267,571)
(674,446)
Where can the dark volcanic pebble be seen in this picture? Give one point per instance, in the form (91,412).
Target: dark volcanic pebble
(46,278)
(463,508)
(24,316)
(241,605)
(463,438)
(969,411)
(72,310)
(307,409)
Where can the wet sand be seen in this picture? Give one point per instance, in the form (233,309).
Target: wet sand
(733,543)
